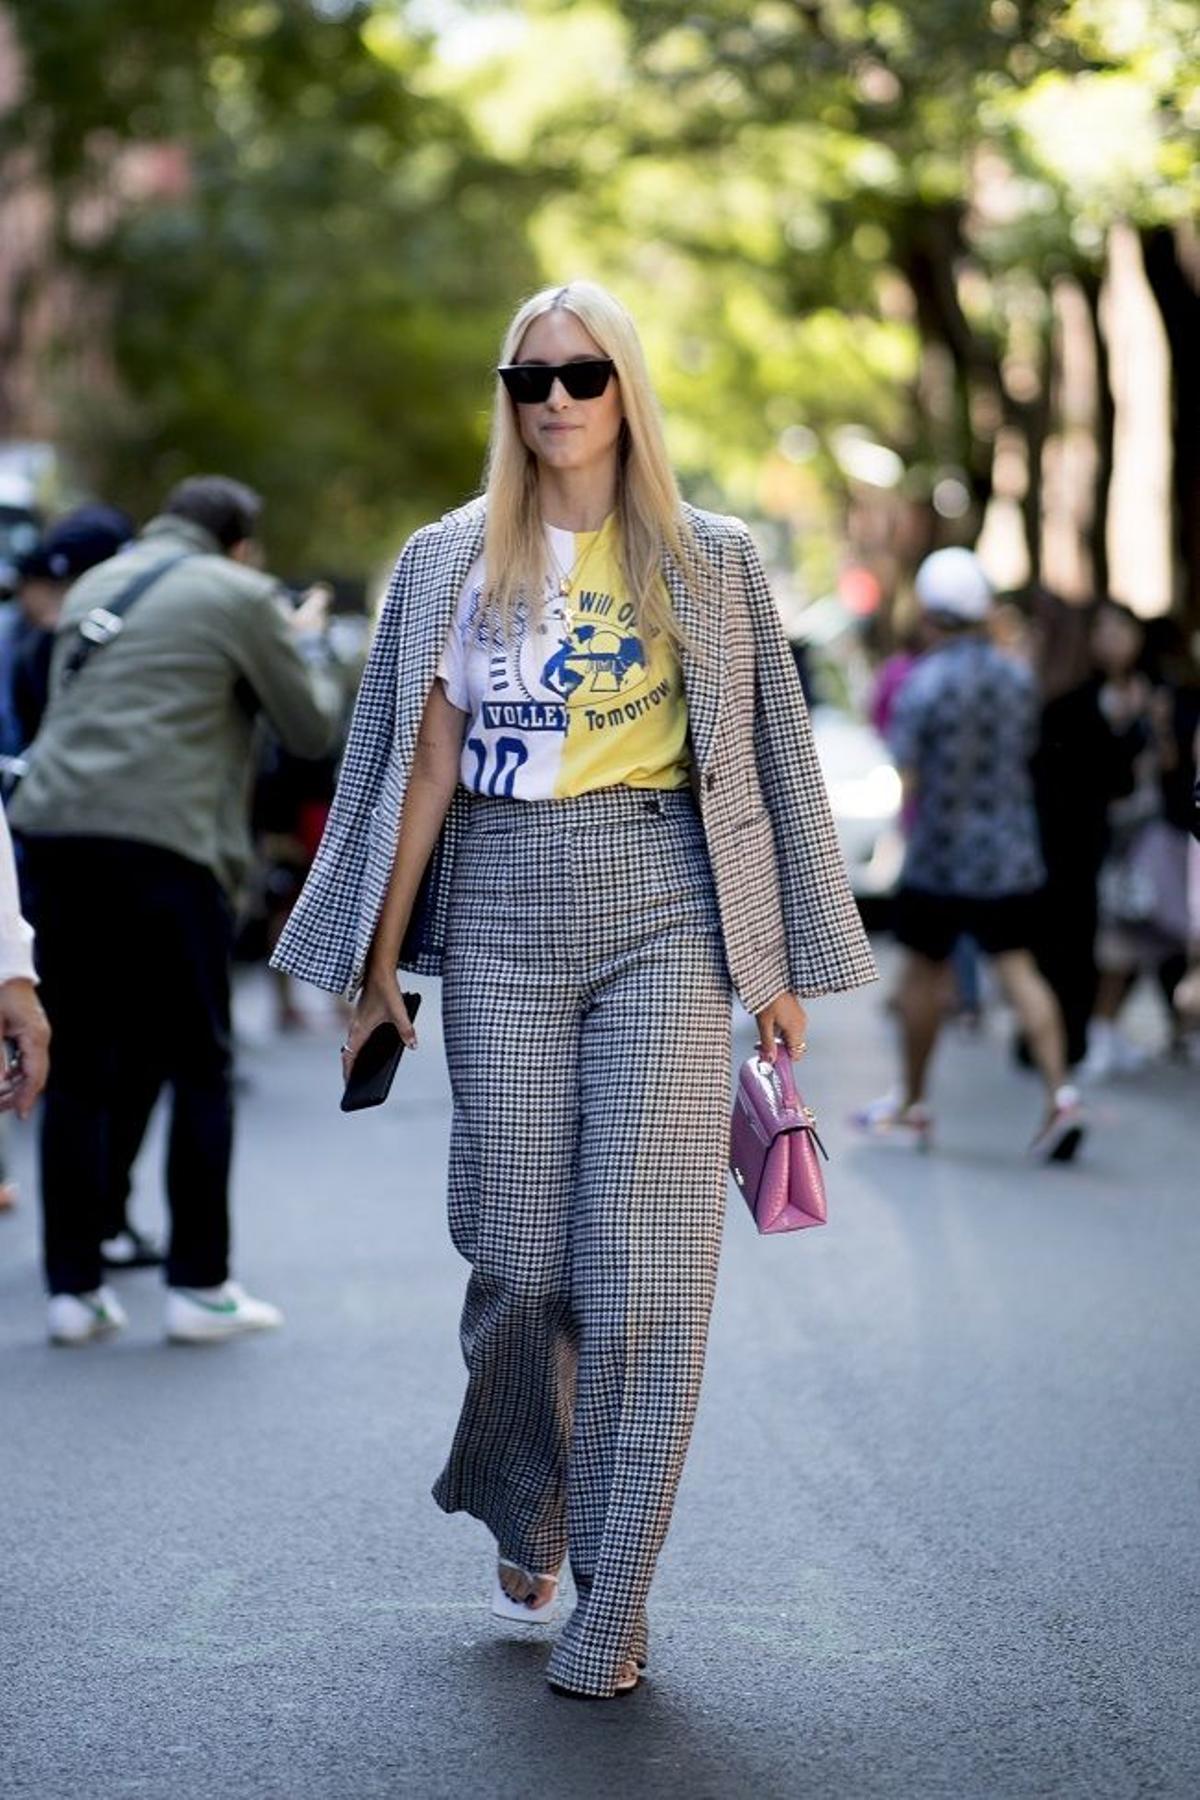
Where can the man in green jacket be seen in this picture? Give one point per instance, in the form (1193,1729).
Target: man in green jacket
(133,817)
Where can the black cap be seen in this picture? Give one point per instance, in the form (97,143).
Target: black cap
(80,540)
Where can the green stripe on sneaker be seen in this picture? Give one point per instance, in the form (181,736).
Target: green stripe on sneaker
(212,1306)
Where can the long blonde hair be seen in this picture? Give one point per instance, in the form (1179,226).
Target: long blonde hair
(649,513)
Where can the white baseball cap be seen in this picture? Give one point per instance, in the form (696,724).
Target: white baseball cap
(952,581)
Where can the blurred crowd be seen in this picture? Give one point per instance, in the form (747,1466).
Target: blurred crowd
(1114,779)
(1050,753)
(287,795)
(172,718)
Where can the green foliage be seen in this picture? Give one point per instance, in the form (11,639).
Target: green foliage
(804,201)
(318,306)
(814,207)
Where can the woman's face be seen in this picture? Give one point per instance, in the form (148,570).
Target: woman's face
(1116,642)
(563,433)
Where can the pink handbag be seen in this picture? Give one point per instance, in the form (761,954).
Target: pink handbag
(773,1148)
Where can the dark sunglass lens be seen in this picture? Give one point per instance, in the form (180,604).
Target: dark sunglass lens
(586,380)
(528,383)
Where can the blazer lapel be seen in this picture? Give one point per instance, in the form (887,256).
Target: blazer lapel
(700,609)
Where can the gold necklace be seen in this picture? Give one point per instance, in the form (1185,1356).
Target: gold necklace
(570,578)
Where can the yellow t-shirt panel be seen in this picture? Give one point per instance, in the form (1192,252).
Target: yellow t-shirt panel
(578,701)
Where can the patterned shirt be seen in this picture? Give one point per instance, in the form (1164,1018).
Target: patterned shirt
(965,724)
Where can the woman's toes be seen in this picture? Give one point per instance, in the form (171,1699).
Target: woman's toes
(515,1582)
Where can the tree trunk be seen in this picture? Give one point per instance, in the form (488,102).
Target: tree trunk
(1175,290)
(928,249)
(1106,417)
(1032,418)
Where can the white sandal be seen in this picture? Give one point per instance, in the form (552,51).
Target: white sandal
(519,1611)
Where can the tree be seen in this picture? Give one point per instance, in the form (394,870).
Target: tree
(313,302)
(853,212)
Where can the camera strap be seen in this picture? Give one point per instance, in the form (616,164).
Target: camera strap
(100,626)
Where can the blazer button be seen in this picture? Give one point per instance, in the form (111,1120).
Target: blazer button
(710,781)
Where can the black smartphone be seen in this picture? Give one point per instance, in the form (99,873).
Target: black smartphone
(373,1069)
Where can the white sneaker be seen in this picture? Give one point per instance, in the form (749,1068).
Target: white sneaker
(889,1120)
(80,1318)
(207,1315)
(1110,1052)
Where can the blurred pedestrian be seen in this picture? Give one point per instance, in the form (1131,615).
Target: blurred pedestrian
(964,1002)
(892,676)
(24,1032)
(44,572)
(963,732)
(1186,998)
(292,797)
(580,705)
(1088,744)
(1143,911)
(66,550)
(291,804)
(133,815)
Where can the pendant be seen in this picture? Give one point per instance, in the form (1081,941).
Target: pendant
(564,586)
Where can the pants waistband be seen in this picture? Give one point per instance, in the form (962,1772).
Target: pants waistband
(602,807)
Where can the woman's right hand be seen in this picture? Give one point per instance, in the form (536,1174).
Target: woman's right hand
(379,1001)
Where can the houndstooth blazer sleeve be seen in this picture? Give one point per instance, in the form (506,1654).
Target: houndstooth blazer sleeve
(826,947)
(319,939)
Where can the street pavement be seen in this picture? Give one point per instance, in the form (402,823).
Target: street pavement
(937,1536)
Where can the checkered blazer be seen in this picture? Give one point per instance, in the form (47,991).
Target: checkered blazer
(787,914)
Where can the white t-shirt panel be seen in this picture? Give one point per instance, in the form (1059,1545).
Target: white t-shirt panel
(573,701)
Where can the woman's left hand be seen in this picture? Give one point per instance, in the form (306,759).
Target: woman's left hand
(784,1018)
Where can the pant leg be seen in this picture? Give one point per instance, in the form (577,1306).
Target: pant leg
(1066,946)
(646,1228)
(195,931)
(103,1057)
(127,1132)
(511,1014)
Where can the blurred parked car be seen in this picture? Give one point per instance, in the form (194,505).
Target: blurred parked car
(864,793)
(20,528)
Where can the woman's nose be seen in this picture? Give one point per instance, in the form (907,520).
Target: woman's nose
(558,395)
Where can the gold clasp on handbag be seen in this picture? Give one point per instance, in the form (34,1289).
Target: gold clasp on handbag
(811,1116)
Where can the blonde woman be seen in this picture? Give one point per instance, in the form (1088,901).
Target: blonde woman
(580,785)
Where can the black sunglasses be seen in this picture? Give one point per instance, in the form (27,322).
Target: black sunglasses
(530,383)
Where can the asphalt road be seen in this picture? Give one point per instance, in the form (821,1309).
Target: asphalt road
(937,1537)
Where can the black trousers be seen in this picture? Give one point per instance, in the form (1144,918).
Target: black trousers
(1066,946)
(133,949)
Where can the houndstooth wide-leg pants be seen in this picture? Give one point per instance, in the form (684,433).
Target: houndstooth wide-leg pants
(587,1017)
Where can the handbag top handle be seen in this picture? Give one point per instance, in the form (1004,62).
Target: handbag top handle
(786,1079)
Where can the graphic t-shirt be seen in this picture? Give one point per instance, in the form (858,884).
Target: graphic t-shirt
(574,700)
